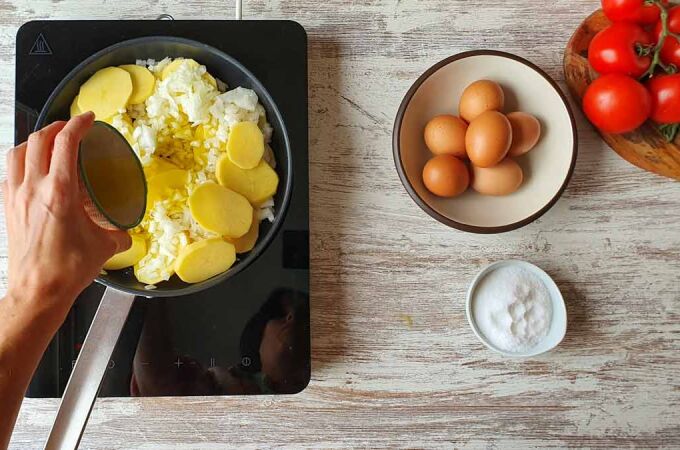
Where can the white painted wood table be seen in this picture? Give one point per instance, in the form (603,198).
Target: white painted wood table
(612,243)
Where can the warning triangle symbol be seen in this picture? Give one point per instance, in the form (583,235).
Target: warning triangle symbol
(40,46)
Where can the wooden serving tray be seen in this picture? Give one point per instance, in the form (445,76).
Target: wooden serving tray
(645,147)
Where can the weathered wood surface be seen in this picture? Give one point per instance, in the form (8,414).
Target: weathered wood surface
(644,147)
(612,243)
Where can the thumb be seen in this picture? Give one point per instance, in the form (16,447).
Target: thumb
(120,238)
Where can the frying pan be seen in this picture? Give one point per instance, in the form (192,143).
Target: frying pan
(122,286)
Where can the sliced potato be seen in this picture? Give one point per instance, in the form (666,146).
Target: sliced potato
(174,65)
(245,146)
(129,257)
(257,184)
(245,243)
(143,83)
(204,259)
(158,185)
(75,111)
(106,92)
(221,210)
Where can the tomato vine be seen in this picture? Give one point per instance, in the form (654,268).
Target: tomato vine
(669,131)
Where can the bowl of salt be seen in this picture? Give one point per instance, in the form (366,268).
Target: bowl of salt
(516,309)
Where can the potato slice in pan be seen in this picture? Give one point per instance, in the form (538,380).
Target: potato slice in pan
(106,92)
(174,65)
(221,210)
(143,83)
(204,259)
(245,243)
(245,145)
(257,184)
(129,257)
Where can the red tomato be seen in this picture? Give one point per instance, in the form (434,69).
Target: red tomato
(670,53)
(617,104)
(631,11)
(614,50)
(665,90)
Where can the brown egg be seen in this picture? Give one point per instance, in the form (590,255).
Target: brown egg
(446,176)
(445,135)
(502,179)
(479,97)
(526,131)
(488,139)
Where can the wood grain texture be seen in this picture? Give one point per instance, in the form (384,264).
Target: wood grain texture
(394,361)
(645,147)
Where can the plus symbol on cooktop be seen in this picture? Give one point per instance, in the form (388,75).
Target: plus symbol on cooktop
(178,362)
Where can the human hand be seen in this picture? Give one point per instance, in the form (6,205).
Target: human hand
(55,249)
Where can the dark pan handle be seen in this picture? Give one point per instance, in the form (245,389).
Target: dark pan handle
(83,386)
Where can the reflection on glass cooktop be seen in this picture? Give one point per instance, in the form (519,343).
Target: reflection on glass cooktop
(248,335)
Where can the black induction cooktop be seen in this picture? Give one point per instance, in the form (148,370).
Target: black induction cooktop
(248,335)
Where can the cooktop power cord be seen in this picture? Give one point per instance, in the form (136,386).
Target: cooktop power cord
(239,9)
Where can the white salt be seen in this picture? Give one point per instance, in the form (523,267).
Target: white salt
(512,309)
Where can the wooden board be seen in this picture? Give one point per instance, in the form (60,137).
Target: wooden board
(645,147)
(394,362)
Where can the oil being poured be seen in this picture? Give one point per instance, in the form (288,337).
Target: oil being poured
(113,178)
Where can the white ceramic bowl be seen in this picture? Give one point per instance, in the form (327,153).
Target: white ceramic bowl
(547,168)
(558,325)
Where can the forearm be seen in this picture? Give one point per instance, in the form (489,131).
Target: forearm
(55,251)
(28,325)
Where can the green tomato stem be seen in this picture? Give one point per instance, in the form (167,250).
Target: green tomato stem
(670,131)
(656,60)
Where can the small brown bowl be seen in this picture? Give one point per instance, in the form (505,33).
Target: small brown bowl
(547,168)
